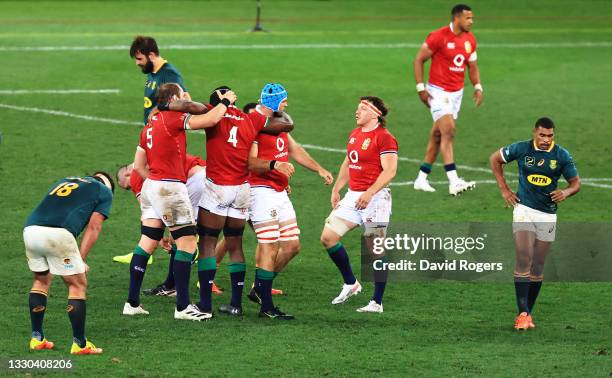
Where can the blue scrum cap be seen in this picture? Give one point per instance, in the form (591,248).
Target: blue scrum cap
(272,95)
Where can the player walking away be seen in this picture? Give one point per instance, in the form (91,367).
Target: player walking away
(129,179)
(164,199)
(271,211)
(50,233)
(451,49)
(225,202)
(540,164)
(145,53)
(369,167)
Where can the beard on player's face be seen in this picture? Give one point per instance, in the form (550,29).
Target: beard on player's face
(147,68)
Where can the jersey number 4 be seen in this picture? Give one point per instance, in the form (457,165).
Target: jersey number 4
(233,134)
(64,189)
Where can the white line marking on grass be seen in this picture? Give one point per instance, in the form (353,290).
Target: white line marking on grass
(70,115)
(553,45)
(585,181)
(56,91)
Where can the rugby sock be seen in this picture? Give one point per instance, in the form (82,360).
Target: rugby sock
(424,171)
(237,272)
(451,172)
(169,282)
(182,270)
(339,256)
(138,267)
(534,290)
(263,285)
(521,287)
(207,268)
(38,305)
(380,282)
(76,313)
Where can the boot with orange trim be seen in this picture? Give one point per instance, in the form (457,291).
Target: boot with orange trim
(43,344)
(89,348)
(522,321)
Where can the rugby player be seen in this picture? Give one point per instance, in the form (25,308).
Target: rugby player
(541,163)
(369,167)
(271,211)
(451,49)
(145,53)
(164,200)
(130,180)
(225,202)
(70,205)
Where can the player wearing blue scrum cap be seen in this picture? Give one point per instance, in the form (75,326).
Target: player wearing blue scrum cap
(272,95)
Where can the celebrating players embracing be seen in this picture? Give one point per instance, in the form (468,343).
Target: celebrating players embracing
(541,163)
(369,167)
(164,199)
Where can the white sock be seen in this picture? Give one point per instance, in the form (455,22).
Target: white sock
(422,175)
(452,176)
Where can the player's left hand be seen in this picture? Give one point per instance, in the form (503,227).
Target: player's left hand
(363,201)
(166,244)
(327,176)
(86,267)
(477,98)
(289,190)
(558,195)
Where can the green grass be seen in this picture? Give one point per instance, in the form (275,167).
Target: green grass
(428,328)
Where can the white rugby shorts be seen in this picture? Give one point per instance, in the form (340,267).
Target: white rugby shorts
(226,200)
(166,200)
(442,103)
(527,219)
(53,249)
(267,204)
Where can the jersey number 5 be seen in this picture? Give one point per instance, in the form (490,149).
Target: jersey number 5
(64,189)
(150,138)
(232,136)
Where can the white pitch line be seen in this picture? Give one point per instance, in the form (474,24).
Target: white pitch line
(585,181)
(587,44)
(70,115)
(56,91)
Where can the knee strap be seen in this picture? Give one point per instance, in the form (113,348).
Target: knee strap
(230,231)
(183,231)
(207,231)
(151,232)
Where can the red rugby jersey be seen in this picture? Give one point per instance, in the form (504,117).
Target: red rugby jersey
(163,139)
(450,56)
(228,144)
(271,147)
(364,150)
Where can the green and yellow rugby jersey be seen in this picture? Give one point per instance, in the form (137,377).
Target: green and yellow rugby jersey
(167,73)
(539,171)
(70,202)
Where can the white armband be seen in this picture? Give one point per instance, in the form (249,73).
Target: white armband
(478,87)
(420,87)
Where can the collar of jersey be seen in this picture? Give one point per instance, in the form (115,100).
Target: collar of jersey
(378,124)
(535,146)
(163,61)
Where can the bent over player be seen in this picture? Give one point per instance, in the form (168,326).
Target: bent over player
(541,163)
(369,167)
(451,49)
(50,233)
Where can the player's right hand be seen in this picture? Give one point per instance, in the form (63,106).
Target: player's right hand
(328,178)
(510,197)
(230,95)
(335,198)
(285,168)
(425,96)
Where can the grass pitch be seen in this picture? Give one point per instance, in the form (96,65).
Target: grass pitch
(536,58)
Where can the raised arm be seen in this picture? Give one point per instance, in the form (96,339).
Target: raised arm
(299,154)
(278,123)
(213,116)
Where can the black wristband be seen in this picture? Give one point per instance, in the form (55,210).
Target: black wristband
(272,164)
(163,106)
(226,102)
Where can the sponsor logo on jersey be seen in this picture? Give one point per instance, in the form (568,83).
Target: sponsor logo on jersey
(366,144)
(553,164)
(354,156)
(468,47)
(541,162)
(539,180)
(352,141)
(529,161)
(450,45)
